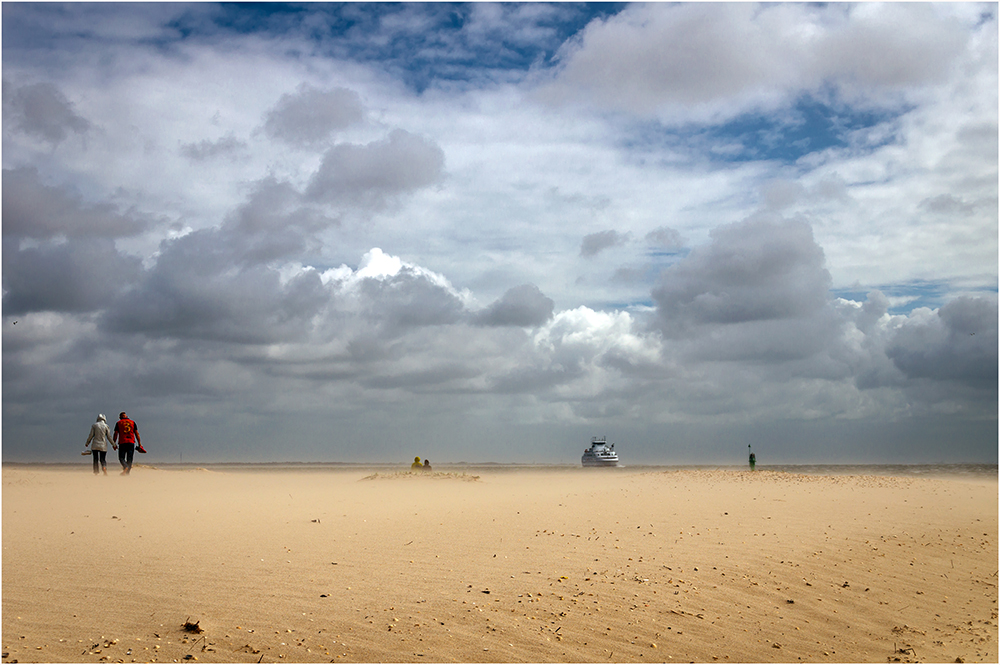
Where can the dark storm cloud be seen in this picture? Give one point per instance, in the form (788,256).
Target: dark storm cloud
(760,289)
(202,288)
(523,305)
(277,213)
(373,173)
(595,243)
(408,299)
(434,378)
(758,270)
(32,209)
(80,275)
(59,252)
(956,343)
(535,380)
(311,116)
(757,298)
(42,111)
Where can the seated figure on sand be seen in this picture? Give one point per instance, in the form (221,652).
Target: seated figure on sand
(427,465)
(416,466)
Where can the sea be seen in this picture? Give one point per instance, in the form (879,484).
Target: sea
(953,471)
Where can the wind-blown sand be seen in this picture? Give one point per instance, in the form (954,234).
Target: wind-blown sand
(538,566)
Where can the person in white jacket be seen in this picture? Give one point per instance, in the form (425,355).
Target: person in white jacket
(100,435)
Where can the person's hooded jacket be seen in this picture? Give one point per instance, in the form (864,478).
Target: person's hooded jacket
(100,434)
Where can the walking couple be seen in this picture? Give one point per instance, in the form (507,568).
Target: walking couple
(125,440)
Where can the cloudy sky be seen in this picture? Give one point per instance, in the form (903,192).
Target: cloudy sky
(488,232)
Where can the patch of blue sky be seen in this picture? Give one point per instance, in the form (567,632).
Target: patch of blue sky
(425,44)
(987,14)
(906,297)
(810,125)
(663,257)
(636,307)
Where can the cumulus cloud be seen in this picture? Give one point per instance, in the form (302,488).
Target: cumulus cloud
(59,252)
(730,58)
(372,174)
(277,219)
(759,291)
(80,275)
(665,237)
(395,295)
(409,299)
(42,111)
(957,343)
(523,305)
(577,357)
(200,288)
(595,243)
(310,116)
(235,284)
(33,209)
(757,270)
(888,45)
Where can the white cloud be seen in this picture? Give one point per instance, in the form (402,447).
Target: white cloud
(682,62)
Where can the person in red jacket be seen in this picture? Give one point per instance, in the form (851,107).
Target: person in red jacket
(127,438)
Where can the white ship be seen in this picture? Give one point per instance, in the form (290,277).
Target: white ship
(600,453)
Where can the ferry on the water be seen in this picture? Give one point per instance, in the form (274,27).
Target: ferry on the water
(600,453)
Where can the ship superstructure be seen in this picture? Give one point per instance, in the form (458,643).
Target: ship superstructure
(600,453)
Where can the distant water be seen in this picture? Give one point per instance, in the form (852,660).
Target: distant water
(968,471)
(972,471)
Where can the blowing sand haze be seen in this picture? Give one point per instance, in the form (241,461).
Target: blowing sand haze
(505,566)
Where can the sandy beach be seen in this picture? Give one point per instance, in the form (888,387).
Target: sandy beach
(565,565)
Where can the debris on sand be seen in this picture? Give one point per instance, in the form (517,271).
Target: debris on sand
(436,475)
(193,627)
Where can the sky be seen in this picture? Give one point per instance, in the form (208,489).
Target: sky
(488,232)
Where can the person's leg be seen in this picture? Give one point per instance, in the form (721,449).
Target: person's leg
(128,458)
(97,462)
(121,458)
(104,462)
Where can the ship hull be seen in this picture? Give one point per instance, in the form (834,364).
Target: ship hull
(598,461)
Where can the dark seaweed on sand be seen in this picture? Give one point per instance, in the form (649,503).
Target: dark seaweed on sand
(193,627)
